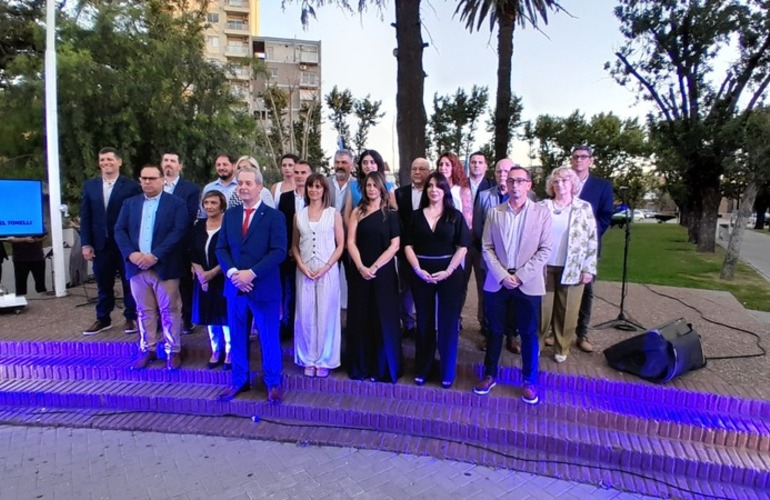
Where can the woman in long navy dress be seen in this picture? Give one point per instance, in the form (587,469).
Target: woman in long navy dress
(209,304)
(373,336)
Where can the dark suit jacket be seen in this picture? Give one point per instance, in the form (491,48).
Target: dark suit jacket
(262,250)
(168,235)
(486,183)
(598,192)
(191,194)
(404,202)
(286,207)
(97,224)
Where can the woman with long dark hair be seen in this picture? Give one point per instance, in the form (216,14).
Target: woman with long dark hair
(369,161)
(373,339)
(436,244)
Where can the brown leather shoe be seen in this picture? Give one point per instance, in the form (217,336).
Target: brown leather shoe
(585,345)
(486,385)
(513,344)
(174,361)
(275,395)
(232,391)
(97,327)
(529,394)
(144,359)
(130,326)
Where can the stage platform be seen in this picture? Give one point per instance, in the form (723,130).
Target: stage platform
(705,434)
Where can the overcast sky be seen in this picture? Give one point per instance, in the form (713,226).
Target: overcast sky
(554,72)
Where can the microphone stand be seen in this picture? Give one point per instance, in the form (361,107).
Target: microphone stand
(622,322)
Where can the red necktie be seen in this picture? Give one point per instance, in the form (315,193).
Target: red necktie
(246,221)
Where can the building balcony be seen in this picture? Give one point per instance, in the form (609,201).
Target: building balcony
(237,28)
(237,51)
(241,6)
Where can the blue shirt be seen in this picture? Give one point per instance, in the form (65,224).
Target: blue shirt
(149,209)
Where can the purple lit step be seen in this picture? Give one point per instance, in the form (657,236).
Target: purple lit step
(662,420)
(515,429)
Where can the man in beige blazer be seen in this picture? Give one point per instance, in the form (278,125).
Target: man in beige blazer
(516,245)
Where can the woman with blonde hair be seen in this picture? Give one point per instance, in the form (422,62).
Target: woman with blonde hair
(264,195)
(574,246)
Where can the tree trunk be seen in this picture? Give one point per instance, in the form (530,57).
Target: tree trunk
(411,119)
(503,101)
(710,198)
(736,238)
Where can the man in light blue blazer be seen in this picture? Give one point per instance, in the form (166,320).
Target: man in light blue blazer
(251,247)
(150,233)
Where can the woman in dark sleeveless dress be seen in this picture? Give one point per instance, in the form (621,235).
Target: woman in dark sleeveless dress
(373,336)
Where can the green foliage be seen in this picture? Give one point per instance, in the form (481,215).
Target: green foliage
(523,12)
(368,115)
(340,104)
(18,33)
(132,76)
(660,255)
(453,124)
(669,57)
(621,147)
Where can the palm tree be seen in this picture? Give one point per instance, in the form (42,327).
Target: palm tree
(506,14)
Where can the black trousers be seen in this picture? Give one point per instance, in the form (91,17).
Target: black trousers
(21,272)
(442,301)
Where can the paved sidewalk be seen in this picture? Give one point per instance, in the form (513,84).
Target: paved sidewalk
(62,463)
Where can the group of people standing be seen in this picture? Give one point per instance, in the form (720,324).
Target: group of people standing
(403,255)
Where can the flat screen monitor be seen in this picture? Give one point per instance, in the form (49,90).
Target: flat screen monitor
(21,208)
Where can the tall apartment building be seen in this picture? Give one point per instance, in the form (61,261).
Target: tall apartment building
(232,38)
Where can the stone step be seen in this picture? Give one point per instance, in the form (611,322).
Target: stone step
(520,427)
(584,401)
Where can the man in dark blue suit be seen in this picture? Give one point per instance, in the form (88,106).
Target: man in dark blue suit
(102,199)
(171,163)
(150,233)
(597,192)
(251,247)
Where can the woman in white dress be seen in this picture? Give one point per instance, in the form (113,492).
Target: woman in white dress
(317,246)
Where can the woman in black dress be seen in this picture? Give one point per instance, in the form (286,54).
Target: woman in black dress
(373,337)
(209,305)
(436,244)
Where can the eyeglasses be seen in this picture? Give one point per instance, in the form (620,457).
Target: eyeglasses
(148,179)
(519,180)
(580,157)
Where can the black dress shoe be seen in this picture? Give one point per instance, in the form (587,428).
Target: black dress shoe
(232,391)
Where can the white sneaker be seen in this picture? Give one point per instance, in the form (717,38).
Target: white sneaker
(560,358)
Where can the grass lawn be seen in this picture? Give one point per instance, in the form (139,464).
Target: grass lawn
(660,255)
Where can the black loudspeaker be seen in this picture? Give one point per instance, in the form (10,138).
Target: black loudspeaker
(659,354)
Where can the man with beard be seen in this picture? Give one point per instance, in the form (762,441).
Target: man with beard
(340,181)
(191,195)
(224,165)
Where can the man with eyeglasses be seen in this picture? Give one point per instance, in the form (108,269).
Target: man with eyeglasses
(150,233)
(101,202)
(516,245)
(408,200)
(597,192)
